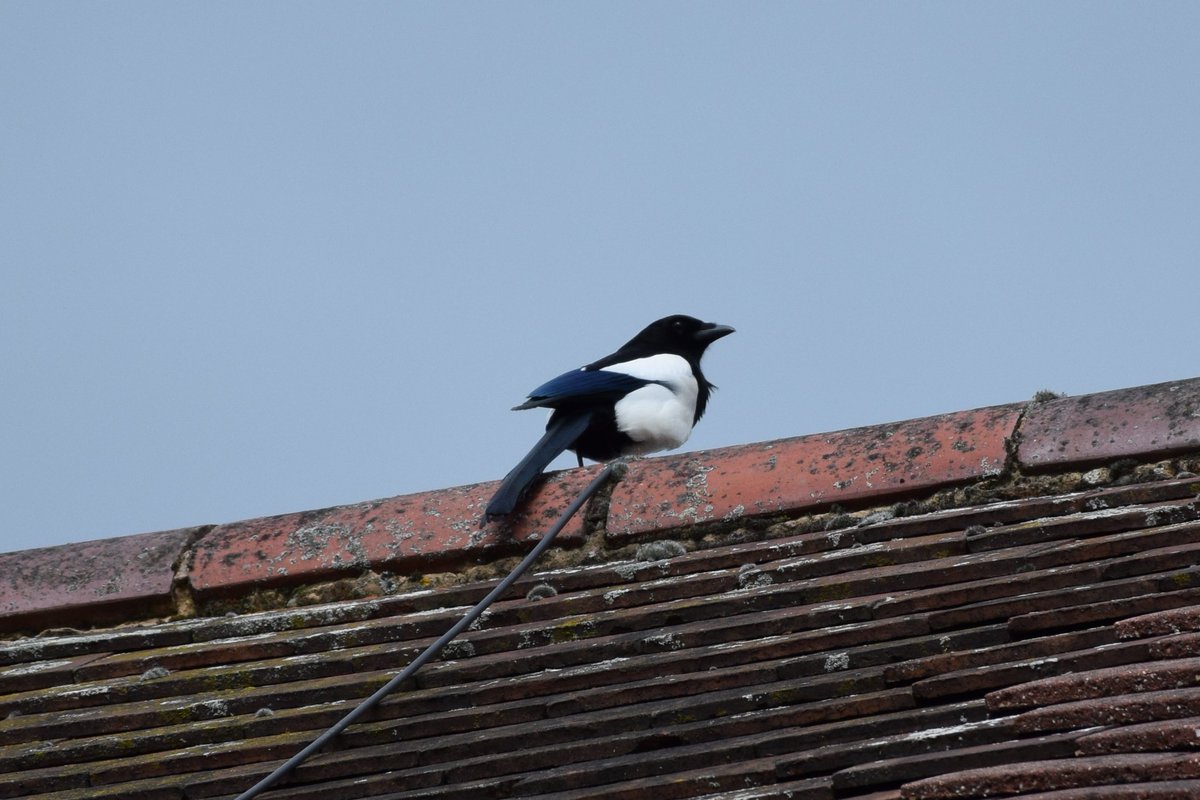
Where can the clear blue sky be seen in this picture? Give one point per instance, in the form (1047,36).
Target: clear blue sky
(266,257)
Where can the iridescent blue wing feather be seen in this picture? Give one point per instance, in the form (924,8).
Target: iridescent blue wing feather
(582,385)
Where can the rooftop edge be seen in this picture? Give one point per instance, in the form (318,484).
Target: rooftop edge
(366,545)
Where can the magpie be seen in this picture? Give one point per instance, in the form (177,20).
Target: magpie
(642,398)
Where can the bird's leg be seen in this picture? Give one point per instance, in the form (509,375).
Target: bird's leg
(580,459)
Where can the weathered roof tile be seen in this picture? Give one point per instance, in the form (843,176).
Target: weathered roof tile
(398,533)
(790,475)
(1119,710)
(1170,734)
(102,581)
(965,751)
(1161,419)
(1045,776)
(1162,622)
(1143,677)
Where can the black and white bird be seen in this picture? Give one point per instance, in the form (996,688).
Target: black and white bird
(642,398)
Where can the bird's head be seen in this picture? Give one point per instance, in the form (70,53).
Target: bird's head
(680,334)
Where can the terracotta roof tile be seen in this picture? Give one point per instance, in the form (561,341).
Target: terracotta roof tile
(1181,646)
(1164,790)
(1114,710)
(951,751)
(1159,419)
(980,632)
(399,532)
(1030,777)
(813,471)
(1145,677)
(1170,734)
(1163,622)
(974,680)
(101,581)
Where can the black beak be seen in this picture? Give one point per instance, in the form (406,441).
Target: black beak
(711,332)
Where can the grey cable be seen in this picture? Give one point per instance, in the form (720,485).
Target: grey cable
(366,705)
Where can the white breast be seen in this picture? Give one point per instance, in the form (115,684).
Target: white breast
(657,416)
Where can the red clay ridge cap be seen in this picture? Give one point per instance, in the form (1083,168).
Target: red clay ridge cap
(92,582)
(153,574)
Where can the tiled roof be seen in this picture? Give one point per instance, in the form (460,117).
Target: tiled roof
(993,603)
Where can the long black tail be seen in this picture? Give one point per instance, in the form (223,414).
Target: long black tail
(560,434)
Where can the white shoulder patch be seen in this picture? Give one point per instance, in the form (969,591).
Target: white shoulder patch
(665,367)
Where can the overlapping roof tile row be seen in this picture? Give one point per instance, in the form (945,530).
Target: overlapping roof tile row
(983,613)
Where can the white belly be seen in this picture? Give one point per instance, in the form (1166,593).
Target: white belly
(658,417)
